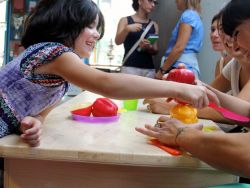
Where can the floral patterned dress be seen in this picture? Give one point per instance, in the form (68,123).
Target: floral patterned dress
(24,93)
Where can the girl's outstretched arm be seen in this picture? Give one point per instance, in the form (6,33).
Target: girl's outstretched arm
(124,86)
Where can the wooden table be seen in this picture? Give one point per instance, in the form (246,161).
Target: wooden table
(112,155)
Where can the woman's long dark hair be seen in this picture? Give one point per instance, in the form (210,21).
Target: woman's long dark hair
(233,14)
(135,5)
(60,21)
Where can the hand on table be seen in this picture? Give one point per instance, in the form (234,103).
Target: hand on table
(167,130)
(31,129)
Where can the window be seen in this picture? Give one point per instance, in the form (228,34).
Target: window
(2,29)
(106,52)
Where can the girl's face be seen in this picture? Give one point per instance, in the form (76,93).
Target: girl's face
(181,5)
(215,37)
(85,42)
(148,5)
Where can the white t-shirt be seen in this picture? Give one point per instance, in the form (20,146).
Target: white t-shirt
(232,73)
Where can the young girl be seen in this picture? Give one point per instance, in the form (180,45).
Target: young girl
(57,34)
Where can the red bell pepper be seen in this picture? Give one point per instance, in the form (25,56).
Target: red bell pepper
(104,107)
(86,111)
(181,75)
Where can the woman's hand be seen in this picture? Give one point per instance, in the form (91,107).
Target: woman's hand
(145,44)
(134,27)
(31,129)
(167,131)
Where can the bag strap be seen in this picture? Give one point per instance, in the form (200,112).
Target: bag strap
(137,42)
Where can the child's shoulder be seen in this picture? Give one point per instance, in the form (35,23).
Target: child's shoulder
(47,46)
(43,52)
(46,49)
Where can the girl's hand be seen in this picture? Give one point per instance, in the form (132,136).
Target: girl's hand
(158,105)
(31,129)
(167,131)
(197,96)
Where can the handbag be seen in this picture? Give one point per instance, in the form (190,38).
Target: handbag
(137,42)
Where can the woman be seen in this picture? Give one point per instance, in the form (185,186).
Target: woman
(129,30)
(217,45)
(186,39)
(219,150)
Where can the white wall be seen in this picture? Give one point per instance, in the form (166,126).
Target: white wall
(166,14)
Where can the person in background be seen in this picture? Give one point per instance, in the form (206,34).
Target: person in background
(234,79)
(227,151)
(186,40)
(33,83)
(218,45)
(129,31)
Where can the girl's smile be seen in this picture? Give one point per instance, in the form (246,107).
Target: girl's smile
(85,42)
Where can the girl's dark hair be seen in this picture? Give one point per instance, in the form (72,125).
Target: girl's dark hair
(60,21)
(135,5)
(233,14)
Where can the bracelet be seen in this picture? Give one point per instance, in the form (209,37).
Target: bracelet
(162,71)
(179,131)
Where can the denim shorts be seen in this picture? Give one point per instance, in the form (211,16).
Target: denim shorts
(190,61)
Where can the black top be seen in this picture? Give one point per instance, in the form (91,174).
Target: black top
(139,59)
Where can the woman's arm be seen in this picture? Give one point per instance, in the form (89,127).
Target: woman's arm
(221,83)
(122,31)
(218,149)
(232,103)
(184,34)
(217,69)
(227,101)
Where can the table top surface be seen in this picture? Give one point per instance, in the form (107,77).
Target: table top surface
(108,143)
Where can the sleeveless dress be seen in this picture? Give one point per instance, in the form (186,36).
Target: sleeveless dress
(23,93)
(138,59)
